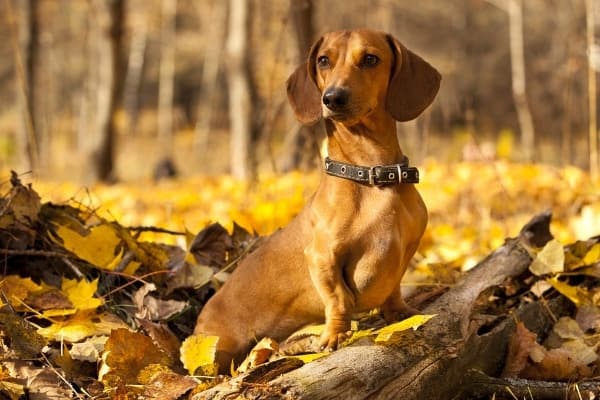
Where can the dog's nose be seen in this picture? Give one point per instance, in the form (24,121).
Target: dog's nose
(335,98)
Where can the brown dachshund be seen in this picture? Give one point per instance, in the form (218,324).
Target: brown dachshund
(349,247)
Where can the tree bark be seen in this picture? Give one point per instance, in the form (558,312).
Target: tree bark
(211,65)
(166,77)
(242,96)
(431,362)
(135,65)
(26,61)
(517,62)
(592,126)
(110,87)
(301,146)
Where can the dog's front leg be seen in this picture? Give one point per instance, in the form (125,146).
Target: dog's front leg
(326,272)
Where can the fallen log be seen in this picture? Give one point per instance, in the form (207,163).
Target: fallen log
(431,362)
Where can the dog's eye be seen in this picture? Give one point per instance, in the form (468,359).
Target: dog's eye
(370,60)
(323,62)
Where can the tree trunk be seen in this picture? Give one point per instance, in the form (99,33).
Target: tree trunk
(517,62)
(211,64)
(135,65)
(110,87)
(431,362)
(242,96)
(301,147)
(592,126)
(26,61)
(166,78)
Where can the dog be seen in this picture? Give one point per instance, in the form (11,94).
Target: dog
(348,249)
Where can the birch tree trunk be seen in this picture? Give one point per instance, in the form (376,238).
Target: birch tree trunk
(241,93)
(593,129)
(211,64)
(166,77)
(135,64)
(517,62)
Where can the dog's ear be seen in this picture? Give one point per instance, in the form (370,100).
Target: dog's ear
(413,83)
(302,91)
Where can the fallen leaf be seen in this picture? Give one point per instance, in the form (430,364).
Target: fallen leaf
(539,288)
(162,337)
(306,358)
(384,334)
(89,350)
(100,247)
(128,353)
(549,260)
(580,352)
(259,354)
(521,343)
(593,255)
(163,384)
(189,276)
(210,245)
(49,299)
(198,354)
(588,318)
(557,365)
(567,328)
(81,293)
(81,326)
(16,289)
(24,339)
(576,294)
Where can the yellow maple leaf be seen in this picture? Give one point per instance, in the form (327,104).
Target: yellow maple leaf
(81,326)
(384,334)
(198,351)
(81,293)
(98,247)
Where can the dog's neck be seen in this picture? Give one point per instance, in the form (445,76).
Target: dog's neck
(363,143)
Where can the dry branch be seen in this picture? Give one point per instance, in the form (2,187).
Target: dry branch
(431,362)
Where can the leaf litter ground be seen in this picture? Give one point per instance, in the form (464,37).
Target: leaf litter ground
(94,308)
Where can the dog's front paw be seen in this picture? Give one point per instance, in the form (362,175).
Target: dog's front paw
(334,336)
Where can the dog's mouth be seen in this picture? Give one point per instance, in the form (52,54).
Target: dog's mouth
(346,115)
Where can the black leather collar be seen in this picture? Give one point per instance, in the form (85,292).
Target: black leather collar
(378,175)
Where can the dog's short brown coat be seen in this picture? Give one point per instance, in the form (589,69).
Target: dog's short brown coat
(349,247)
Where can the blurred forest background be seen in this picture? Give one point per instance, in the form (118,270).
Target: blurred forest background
(107,89)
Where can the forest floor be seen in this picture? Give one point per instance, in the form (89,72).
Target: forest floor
(90,273)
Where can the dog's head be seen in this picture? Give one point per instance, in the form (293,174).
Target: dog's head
(349,74)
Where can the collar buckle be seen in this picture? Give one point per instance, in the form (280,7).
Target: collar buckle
(372,175)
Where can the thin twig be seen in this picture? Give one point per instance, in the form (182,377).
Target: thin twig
(31,252)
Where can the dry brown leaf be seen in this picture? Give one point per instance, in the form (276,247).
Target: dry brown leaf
(557,365)
(210,245)
(24,339)
(162,384)
(259,354)
(521,343)
(567,328)
(162,337)
(48,300)
(127,353)
(149,307)
(588,318)
(89,350)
